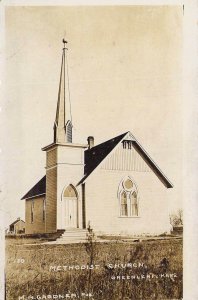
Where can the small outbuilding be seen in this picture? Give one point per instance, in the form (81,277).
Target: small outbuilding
(17,227)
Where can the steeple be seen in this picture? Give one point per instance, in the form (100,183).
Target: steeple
(62,124)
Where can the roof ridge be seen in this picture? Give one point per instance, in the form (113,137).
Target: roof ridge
(16,222)
(120,135)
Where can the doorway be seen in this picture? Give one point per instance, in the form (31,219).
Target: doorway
(70,207)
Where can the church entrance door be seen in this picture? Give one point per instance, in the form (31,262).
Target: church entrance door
(71,212)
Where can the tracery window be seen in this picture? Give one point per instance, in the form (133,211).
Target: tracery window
(128,198)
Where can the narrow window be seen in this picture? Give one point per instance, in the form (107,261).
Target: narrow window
(32,211)
(69,131)
(124,210)
(43,209)
(134,205)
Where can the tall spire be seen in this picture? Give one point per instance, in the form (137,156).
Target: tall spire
(62,124)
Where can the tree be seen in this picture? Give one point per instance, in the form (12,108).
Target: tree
(176,219)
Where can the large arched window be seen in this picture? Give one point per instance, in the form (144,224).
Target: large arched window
(128,198)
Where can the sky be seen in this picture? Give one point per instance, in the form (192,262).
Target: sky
(125,72)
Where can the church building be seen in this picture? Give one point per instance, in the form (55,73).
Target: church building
(114,187)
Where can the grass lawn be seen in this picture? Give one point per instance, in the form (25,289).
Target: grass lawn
(106,271)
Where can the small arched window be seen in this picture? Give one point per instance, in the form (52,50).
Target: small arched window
(128,198)
(70,192)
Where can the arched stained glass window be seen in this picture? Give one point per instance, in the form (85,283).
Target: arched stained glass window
(128,198)
(70,192)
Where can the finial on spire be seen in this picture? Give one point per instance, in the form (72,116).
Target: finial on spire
(64,43)
(63,124)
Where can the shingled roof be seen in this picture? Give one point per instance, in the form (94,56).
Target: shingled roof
(38,189)
(95,155)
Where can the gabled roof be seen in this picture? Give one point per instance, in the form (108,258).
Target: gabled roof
(95,155)
(18,220)
(38,189)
